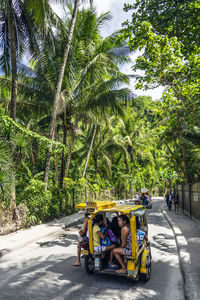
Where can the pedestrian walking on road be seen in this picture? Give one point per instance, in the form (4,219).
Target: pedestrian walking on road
(137,198)
(170,200)
(176,201)
(167,198)
(144,199)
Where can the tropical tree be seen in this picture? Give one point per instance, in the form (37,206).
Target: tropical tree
(14,39)
(168,59)
(93,58)
(19,33)
(58,87)
(112,138)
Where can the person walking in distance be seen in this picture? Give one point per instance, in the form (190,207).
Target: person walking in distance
(176,202)
(167,198)
(137,198)
(170,200)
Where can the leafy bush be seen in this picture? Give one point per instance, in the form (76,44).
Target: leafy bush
(37,200)
(59,203)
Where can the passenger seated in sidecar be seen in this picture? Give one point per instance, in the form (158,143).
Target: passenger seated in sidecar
(114,226)
(125,248)
(101,242)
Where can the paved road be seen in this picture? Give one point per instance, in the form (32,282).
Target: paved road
(43,270)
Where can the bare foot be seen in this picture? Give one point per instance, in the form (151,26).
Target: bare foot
(121,271)
(77,264)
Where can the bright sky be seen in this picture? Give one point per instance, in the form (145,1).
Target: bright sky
(115,7)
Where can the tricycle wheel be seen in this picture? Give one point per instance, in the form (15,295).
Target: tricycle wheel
(145,277)
(89,264)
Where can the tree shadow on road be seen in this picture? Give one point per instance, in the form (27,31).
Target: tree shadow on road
(164,242)
(162,238)
(64,241)
(56,278)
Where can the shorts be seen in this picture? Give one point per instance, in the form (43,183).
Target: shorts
(83,238)
(99,248)
(127,251)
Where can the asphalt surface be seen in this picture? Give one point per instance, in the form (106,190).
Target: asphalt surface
(43,269)
(187,235)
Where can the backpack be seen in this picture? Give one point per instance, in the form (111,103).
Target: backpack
(106,241)
(111,236)
(140,236)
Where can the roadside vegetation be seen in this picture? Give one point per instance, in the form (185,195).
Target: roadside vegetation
(70,129)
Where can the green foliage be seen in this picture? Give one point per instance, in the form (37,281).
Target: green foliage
(8,123)
(137,142)
(173,18)
(37,201)
(169,41)
(5,164)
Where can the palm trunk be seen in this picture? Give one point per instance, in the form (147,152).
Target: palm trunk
(70,151)
(56,165)
(47,166)
(95,156)
(14,67)
(90,149)
(127,167)
(62,168)
(13,195)
(13,96)
(133,161)
(56,159)
(58,89)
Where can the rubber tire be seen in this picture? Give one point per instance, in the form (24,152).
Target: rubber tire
(147,276)
(88,269)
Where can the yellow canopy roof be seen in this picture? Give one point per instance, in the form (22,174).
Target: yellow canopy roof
(105,206)
(96,205)
(125,209)
(80,205)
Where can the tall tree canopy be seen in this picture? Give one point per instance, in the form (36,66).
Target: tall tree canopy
(167,33)
(79,128)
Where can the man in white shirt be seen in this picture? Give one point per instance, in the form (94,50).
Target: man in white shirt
(137,198)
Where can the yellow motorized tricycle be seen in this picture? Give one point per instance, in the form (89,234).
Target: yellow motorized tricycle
(138,264)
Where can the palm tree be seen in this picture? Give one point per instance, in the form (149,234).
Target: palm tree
(91,80)
(59,86)
(20,30)
(95,57)
(99,144)
(13,38)
(22,26)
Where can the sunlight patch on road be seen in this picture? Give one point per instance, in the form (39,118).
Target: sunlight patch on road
(68,293)
(194,240)
(168,258)
(138,293)
(155,214)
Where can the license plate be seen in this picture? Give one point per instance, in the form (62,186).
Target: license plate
(84,252)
